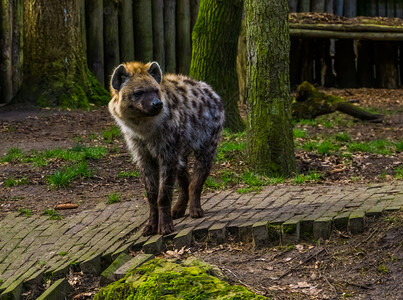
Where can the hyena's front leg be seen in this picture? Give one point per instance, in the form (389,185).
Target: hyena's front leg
(179,209)
(167,181)
(150,172)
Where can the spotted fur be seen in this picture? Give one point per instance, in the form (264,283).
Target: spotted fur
(161,136)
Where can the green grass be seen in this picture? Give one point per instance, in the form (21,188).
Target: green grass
(299,133)
(232,146)
(399,172)
(327,147)
(63,177)
(125,174)
(342,137)
(25,211)
(303,178)
(383,147)
(111,134)
(14,154)
(113,198)
(53,214)
(310,122)
(11,181)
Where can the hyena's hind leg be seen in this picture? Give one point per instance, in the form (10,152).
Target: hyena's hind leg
(179,209)
(201,170)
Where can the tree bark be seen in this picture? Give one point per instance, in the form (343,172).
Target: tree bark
(194,10)
(269,129)
(386,61)
(6,50)
(170,35)
(183,36)
(215,38)
(318,6)
(365,64)
(330,6)
(55,66)
(95,33)
(304,5)
(293,6)
(158,32)
(17,43)
(126,31)
(350,8)
(143,30)
(111,38)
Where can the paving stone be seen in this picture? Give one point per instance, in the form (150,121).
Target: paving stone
(375,211)
(245,232)
(274,234)
(217,233)
(340,221)
(322,228)
(132,264)
(290,231)
(260,234)
(183,238)
(154,245)
(107,276)
(60,289)
(356,223)
(92,264)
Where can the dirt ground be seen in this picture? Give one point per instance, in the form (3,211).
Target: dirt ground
(362,267)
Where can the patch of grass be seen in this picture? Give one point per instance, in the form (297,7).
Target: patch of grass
(399,146)
(342,137)
(109,135)
(11,181)
(113,198)
(383,147)
(382,269)
(53,214)
(328,124)
(25,211)
(299,133)
(302,178)
(123,174)
(399,172)
(311,122)
(63,177)
(232,146)
(63,253)
(212,183)
(14,154)
(327,147)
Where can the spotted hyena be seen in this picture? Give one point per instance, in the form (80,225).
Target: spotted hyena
(164,119)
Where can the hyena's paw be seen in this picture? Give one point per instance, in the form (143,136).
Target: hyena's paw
(178,212)
(196,212)
(165,224)
(150,229)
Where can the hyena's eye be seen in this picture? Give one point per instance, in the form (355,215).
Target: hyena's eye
(139,94)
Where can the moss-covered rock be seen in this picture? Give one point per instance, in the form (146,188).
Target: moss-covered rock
(174,279)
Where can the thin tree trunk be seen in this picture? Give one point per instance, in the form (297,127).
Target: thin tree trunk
(194,9)
(170,35)
(95,46)
(18,41)
(345,64)
(158,32)
(350,8)
(365,64)
(304,5)
(55,66)
(126,31)
(6,50)
(386,62)
(143,30)
(217,28)
(183,36)
(330,6)
(83,28)
(399,9)
(293,6)
(111,38)
(390,10)
(269,129)
(318,6)
(338,7)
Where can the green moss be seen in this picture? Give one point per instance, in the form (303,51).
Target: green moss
(162,279)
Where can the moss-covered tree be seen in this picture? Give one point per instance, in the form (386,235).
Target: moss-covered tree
(215,38)
(269,129)
(55,66)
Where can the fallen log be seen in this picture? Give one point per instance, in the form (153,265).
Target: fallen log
(311,103)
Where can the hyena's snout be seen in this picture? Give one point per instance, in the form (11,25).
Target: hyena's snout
(153,106)
(156,105)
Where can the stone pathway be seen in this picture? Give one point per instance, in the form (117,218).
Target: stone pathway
(34,248)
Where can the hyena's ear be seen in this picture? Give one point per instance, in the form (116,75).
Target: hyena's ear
(118,77)
(155,71)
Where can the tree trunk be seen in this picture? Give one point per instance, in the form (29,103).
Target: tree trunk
(293,6)
(170,35)
(318,6)
(330,6)
(158,32)
(6,50)
(194,11)
(183,36)
(95,33)
(338,7)
(111,38)
(350,8)
(143,30)
(365,64)
(18,42)
(55,68)
(345,64)
(269,129)
(386,61)
(215,38)
(304,5)
(126,31)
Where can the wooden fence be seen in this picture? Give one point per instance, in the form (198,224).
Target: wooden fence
(123,30)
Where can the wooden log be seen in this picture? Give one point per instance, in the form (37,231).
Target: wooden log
(143,30)
(170,35)
(365,64)
(95,42)
(158,32)
(325,34)
(363,8)
(329,6)
(126,30)
(399,9)
(304,6)
(293,4)
(111,38)
(6,72)
(390,8)
(194,11)
(386,61)
(345,64)
(318,6)
(82,25)
(350,8)
(338,7)
(365,27)
(17,45)
(373,7)
(183,37)
(382,8)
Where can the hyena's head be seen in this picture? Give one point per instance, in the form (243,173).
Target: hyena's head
(135,89)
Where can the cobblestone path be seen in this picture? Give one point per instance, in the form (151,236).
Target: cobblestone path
(32,248)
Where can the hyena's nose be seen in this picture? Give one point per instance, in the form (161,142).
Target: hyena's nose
(156,104)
